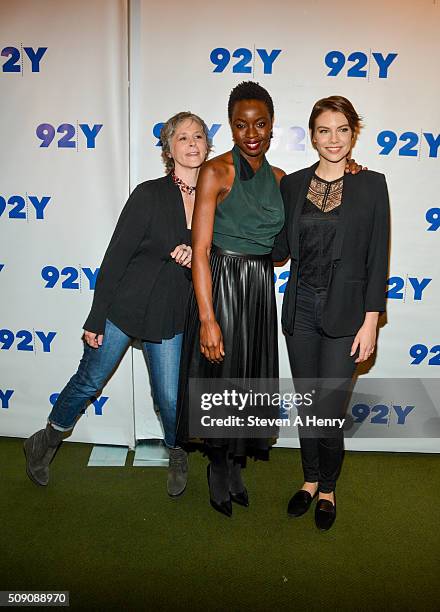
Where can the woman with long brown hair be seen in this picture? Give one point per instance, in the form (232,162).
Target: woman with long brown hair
(336,233)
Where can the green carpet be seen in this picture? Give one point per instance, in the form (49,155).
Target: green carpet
(113,538)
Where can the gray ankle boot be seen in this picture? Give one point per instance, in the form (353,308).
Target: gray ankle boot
(39,450)
(177,472)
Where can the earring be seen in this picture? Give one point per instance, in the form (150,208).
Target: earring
(271,133)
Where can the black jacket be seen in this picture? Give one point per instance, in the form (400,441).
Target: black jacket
(150,226)
(357,282)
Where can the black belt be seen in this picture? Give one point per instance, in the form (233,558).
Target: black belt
(218,251)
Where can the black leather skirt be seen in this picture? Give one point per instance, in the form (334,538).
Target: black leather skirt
(245,308)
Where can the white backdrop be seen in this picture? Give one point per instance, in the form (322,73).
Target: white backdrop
(383,57)
(82,79)
(184,59)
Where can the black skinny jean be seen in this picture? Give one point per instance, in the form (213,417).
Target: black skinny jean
(317,357)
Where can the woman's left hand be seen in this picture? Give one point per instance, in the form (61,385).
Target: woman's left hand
(366,340)
(351,167)
(182,255)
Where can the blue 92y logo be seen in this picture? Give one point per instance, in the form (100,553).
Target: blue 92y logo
(419,352)
(380,413)
(401,289)
(69,277)
(212,131)
(25,340)
(282,279)
(97,403)
(71,135)
(221,57)
(433,218)
(5,396)
(387,140)
(17,206)
(292,138)
(19,58)
(336,60)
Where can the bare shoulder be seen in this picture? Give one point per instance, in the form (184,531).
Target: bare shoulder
(279,173)
(218,174)
(219,166)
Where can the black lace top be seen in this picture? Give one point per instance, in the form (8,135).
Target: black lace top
(317,228)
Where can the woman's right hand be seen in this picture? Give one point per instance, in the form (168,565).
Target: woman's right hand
(211,341)
(92,339)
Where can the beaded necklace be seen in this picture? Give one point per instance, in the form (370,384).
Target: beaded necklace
(184,188)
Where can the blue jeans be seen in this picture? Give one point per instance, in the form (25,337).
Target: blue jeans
(97,365)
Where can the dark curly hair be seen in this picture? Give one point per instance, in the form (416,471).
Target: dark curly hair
(249,90)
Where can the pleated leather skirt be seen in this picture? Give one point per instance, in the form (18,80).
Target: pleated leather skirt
(245,308)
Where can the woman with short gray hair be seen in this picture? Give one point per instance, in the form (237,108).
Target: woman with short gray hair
(141,292)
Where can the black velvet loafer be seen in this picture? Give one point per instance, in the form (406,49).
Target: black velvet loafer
(299,503)
(325,514)
(242,498)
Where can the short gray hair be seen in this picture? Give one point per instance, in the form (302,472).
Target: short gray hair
(168,130)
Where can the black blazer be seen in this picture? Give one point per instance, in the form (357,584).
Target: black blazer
(150,226)
(357,282)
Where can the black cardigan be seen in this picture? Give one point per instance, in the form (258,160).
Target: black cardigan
(357,282)
(150,226)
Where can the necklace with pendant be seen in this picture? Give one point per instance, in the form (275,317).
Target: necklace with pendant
(184,188)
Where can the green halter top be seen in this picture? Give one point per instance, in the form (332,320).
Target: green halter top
(252,214)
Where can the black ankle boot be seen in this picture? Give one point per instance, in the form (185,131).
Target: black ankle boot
(224,507)
(39,450)
(238,491)
(218,481)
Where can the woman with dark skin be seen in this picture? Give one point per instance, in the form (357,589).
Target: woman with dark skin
(231,329)
(251,128)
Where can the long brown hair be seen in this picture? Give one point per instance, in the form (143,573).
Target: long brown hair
(337,104)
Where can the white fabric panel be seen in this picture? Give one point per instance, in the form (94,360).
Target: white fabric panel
(82,79)
(171,71)
(147,422)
